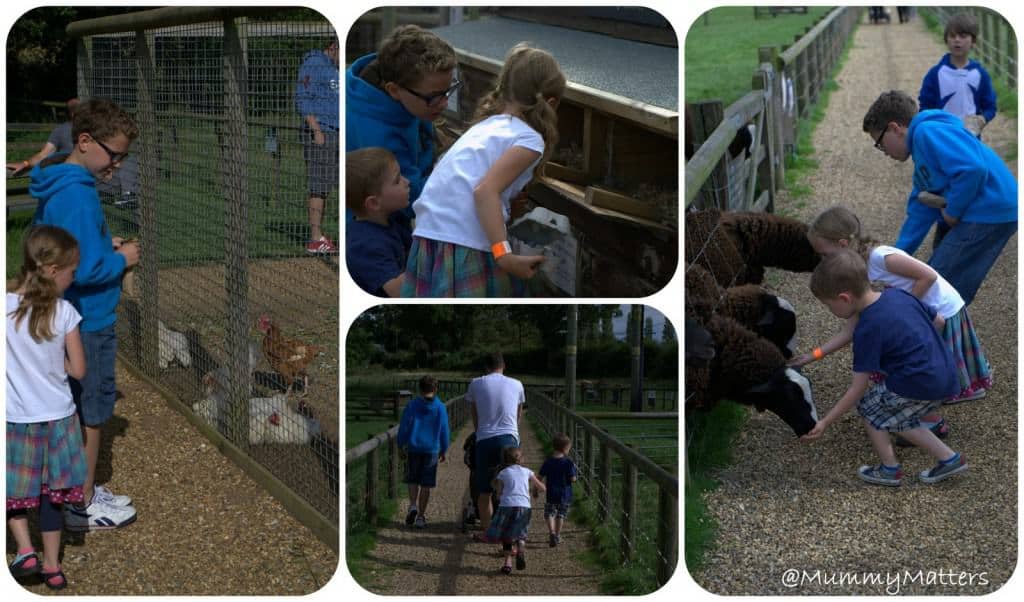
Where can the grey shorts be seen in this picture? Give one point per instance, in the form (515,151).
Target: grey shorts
(321,162)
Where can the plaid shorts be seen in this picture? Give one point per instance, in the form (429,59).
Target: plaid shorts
(888,411)
(550,510)
(444,269)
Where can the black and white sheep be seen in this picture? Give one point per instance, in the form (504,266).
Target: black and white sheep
(751,371)
(767,315)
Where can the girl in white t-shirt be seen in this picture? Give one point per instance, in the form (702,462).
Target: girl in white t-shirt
(837,228)
(513,484)
(460,247)
(45,459)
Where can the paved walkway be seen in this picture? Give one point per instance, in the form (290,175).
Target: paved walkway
(441,560)
(786,506)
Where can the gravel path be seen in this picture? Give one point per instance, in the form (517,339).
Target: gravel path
(786,505)
(204,527)
(441,560)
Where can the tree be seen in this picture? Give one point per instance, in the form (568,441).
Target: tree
(668,332)
(649,329)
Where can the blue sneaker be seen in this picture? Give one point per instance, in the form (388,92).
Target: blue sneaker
(877,475)
(943,471)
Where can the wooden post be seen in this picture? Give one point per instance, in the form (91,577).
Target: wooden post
(572,316)
(628,512)
(596,144)
(604,499)
(84,68)
(706,116)
(1011,58)
(668,535)
(392,465)
(371,486)
(148,232)
(799,89)
(589,453)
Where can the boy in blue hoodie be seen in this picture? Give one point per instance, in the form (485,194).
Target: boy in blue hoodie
(317,99)
(971,189)
(958,84)
(65,185)
(393,97)
(423,433)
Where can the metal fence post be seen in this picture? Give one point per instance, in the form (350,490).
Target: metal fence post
(147,268)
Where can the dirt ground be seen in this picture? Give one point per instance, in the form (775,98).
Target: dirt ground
(204,527)
(787,506)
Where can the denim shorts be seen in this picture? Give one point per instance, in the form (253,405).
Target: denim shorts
(488,459)
(561,510)
(321,162)
(95,394)
(421,469)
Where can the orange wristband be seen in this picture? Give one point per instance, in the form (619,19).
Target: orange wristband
(818,353)
(500,249)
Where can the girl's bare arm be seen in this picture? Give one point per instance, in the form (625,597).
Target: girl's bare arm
(921,273)
(74,354)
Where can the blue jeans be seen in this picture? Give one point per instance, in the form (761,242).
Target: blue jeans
(488,459)
(95,394)
(967,252)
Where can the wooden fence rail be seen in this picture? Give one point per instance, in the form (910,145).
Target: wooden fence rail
(386,442)
(784,87)
(595,442)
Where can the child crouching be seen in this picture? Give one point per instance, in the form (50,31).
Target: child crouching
(902,370)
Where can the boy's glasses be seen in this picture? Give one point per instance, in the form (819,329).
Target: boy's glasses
(433,98)
(878,141)
(114,157)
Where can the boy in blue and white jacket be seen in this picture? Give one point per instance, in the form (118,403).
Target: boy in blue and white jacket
(977,193)
(958,84)
(424,433)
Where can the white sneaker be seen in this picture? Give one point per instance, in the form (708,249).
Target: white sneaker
(97,516)
(107,496)
(421,522)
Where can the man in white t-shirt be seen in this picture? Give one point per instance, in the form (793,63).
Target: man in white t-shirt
(497,404)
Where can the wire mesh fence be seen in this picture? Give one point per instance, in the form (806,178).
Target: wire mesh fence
(226,309)
(615,479)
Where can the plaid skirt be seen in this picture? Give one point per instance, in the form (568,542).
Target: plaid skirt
(444,269)
(509,524)
(890,412)
(971,365)
(45,458)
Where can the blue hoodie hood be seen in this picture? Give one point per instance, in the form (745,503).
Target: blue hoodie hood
(372,118)
(67,199)
(318,91)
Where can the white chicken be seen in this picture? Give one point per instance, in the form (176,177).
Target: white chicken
(173,347)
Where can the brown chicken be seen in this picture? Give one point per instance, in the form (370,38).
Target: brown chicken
(287,357)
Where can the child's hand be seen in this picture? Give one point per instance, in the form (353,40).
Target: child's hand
(523,267)
(975,123)
(815,433)
(800,360)
(130,250)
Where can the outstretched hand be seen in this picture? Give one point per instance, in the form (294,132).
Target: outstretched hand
(815,433)
(523,267)
(800,360)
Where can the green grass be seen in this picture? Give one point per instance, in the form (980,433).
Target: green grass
(360,541)
(16,225)
(709,446)
(721,49)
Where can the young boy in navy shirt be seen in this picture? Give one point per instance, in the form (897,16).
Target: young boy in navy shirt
(559,473)
(902,369)
(376,245)
(423,433)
